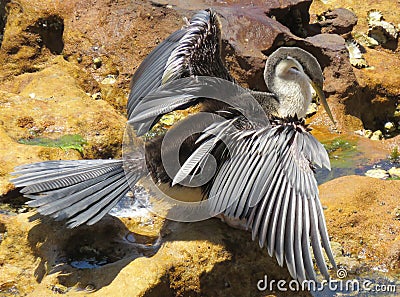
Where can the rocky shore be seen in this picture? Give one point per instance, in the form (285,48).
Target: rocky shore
(64,80)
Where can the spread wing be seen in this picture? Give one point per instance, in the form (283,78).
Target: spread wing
(265,175)
(267,178)
(193,50)
(81,190)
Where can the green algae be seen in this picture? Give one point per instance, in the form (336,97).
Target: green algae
(394,156)
(342,152)
(69,141)
(345,159)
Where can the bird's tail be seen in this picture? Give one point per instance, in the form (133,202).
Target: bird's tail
(82,191)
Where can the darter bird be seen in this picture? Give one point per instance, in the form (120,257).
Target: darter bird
(264,170)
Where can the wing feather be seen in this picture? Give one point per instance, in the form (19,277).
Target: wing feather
(283,221)
(308,264)
(149,74)
(298,253)
(273,206)
(315,240)
(260,212)
(324,233)
(289,240)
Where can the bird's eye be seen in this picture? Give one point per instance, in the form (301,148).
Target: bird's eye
(293,68)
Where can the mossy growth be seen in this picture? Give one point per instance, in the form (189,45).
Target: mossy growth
(394,156)
(342,152)
(338,144)
(69,141)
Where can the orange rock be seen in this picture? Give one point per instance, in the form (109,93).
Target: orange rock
(360,216)
(206,258)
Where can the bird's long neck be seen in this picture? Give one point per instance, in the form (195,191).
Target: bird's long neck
(294,95)
(292,87)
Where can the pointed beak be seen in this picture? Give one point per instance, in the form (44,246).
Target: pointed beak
(321,96)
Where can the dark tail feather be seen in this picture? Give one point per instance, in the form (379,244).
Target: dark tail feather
(82,191)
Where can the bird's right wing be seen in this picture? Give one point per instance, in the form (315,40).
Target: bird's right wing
(267,178)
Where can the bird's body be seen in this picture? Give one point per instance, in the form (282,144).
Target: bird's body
(267,176)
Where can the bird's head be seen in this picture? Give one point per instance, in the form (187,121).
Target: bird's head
(291,73)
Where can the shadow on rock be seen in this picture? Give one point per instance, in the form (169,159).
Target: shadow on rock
(219,261)
(87,256)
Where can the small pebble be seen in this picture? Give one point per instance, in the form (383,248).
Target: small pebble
(377,135)
(96,96)
(368,133)
(396,213)
(109,80)
(390,127)
(394,172)
(359,132)
(97,62)
(377,173)
(59,289)
(90,288)
(130,237)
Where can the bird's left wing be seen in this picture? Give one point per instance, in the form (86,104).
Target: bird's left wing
(150,72)
(194,50)
(267,177)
